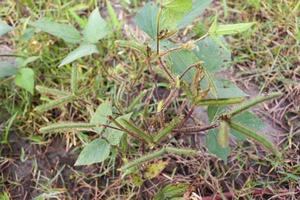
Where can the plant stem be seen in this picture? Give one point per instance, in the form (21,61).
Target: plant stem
(130,132)
(252,103)
(67,126)
(195,129)
(159,153)
(64,126)
(190,67)
(157,28)
(74,80)
(167,130)
(162,65)
(134,129)
(54,103)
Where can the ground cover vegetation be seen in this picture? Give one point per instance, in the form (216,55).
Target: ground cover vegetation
(149,99)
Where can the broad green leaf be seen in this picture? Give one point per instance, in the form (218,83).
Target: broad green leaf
(83,50)
(24,62)
(96,28)
(214,147)
(114,136)
(180,60)
(171,191)
(249,120)
(95,152)
(164,45)
(25,79)
(4,28)
(64,31)
(101,114)
(8,69)
(212,137)
(221,89)
(210,79)
(226,89)
(212,54)
(197,9)
(28,33)
(173,12)
(229,29)
(146,19)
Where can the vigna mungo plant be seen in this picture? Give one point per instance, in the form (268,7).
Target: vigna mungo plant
(186,68)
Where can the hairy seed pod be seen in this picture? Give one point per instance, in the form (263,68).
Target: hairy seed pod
(223,135)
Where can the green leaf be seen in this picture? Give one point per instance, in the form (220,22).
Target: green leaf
(146,19)
(173,12)
(64,31)
(4,196)
(25,79)
(101,114)
(229,29)
(214,147)
(4,28)
(96,28)
(83,50)
(171,191)
(249,120)
(113,15)
(212,143)
(95,152)
(256,137)
(114,136)
(23,62)
(7,69)
(212,54)
(226,89)
(197,9)
(180,60)
(211,83)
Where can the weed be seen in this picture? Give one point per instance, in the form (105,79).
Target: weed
(130,102)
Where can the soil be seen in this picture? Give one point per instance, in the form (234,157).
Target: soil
(49,165)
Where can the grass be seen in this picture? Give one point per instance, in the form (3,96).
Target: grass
(41,165)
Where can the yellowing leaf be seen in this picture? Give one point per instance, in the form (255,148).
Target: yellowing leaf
(137,179)
(154,169)
(223,135)
(230,29)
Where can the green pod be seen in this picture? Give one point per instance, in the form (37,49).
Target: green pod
(223,134)
(219,102)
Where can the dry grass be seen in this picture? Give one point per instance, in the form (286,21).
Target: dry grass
(266,59)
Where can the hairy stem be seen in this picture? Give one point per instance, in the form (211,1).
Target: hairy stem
(157,154)
(252,103)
